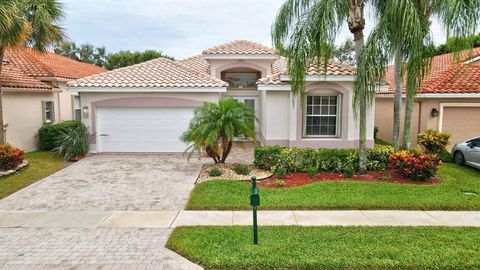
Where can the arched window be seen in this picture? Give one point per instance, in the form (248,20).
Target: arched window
(241,78)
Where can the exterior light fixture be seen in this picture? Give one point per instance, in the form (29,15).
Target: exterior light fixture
(434,112)
(85,111)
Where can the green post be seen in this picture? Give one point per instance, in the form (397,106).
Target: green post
(254,202)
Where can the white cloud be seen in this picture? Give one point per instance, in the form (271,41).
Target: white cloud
(179,28)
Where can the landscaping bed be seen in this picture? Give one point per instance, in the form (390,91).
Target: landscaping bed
(458,190)
(300,179)
(228,172)
(329,247)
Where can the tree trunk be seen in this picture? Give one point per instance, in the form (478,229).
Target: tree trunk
(2,133)
(226,150)
(407,126)
(212,153)
(397,103)
(356,24)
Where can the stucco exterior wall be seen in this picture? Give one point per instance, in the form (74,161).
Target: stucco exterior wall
(136,100)
(219,65)
(285,120)
(422,118)
(23,114)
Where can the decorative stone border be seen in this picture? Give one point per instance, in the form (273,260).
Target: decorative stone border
(19,168)
(229,174)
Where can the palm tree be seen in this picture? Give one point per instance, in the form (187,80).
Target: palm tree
(306,29)
(403,33)
(215,125)
(32,23)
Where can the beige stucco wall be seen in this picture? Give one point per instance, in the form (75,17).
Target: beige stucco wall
(89,99)
(22,110)
(422,118)
(23,114)
(284,118)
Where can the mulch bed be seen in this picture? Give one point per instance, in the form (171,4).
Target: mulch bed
(300,179)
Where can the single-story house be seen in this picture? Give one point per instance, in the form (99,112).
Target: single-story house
(146,107)
(34,92)
(448,99)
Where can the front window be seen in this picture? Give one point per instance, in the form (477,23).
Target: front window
(241,80)
(77,108)
(321,116)
(48,112)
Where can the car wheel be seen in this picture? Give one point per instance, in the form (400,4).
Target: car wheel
(459,158)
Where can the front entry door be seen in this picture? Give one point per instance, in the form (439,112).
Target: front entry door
(252,103)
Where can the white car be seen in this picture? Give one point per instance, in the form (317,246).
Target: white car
(467,152)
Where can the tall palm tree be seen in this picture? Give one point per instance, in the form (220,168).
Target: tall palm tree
(306,29)
(403,33)
(31,23)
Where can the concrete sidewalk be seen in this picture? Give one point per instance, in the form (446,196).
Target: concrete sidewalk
(172,219)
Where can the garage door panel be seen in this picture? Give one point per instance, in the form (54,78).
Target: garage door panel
(142,129)
(462,122)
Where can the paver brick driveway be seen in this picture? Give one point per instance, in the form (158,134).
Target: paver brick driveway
(112,182)
(101,183)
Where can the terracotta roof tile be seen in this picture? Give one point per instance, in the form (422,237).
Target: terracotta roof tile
(159,72)
(197,63)
(279,67)
(240,47)
(446,76)
(12,77)
(48,64)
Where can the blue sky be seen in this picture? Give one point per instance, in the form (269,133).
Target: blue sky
(180,28)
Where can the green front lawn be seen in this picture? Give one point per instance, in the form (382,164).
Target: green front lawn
(41,164)
(330,247)
(448,195)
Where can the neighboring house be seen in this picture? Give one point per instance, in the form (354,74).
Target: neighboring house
(147,107)
(33,86)
(448,100)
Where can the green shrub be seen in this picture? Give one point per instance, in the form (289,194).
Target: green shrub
(48,134)
(10,157)
(311,171)
(279,171)
(215,171)
(349,171)
(445,156)
(266,156)
(73,142)
(335,160)
(434,141)
(241,169)
(279,182)
(324,160)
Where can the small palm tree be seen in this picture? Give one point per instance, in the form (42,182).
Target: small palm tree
(31,23)
(215,125)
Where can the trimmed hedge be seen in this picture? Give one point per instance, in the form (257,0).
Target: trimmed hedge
(291,159)
(49,134)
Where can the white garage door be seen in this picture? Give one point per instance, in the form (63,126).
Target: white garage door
(142,129)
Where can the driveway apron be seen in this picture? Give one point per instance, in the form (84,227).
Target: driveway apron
(84,195)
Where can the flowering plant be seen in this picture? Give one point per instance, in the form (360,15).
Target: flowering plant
(10,157)
(415,164)
(434,141)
